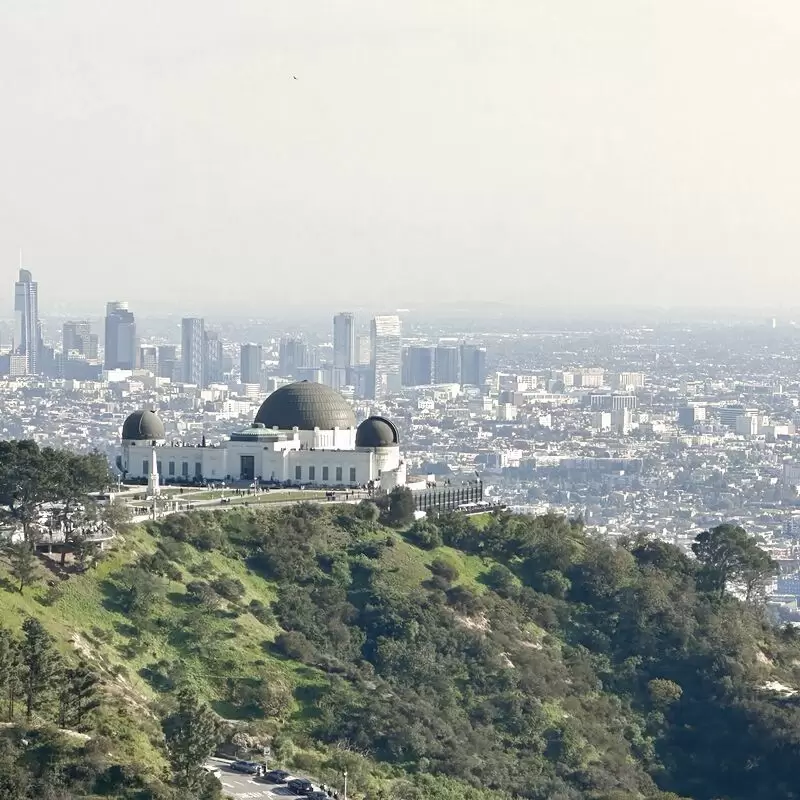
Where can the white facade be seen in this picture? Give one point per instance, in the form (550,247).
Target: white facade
(320,458)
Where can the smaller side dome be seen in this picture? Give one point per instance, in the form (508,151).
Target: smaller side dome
(143,425)
(377,432)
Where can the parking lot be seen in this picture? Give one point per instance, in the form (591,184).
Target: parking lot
(246,787)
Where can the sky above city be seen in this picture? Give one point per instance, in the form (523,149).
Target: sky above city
(198,156)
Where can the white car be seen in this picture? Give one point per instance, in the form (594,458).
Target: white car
(212,770)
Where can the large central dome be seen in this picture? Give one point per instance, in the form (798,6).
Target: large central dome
(305,405)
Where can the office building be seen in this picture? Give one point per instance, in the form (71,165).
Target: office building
(448,365)
(251,357)
(168,362)
(689,416)
(120,340)
(148,359)
(419,366)
(212,368)
(473,365)
(77,338)
(193,351)
(363,350)
(27,332)
(629,381)
(590,377)
(387,356)
(613,402)
(344,348)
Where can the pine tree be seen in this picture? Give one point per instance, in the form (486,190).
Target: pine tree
(22,558)
(78,696)
(40,666)
(192,732)
(9,670)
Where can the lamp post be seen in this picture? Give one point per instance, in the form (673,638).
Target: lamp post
(345,785)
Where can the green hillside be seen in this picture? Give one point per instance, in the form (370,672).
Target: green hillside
(515,657)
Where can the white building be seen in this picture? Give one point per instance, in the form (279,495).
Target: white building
(303,434)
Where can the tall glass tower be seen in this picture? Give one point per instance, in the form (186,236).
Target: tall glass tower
(387,356)
(193,350)
(121,342)
(344,348)
(26,321)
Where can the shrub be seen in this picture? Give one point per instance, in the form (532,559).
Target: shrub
(263,613)
(444,569)
(229,588)
(425,534)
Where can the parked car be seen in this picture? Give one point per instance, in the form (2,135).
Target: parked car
(300,786)
(248,767)
(212,770)
(277,776)
(317,795)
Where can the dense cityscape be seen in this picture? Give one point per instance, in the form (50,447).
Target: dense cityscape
(666,429)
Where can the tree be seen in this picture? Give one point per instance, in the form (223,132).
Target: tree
(40,666)
(730,558)
(191,732)
(9,669)
(78,696)
(24,566)
(400,509)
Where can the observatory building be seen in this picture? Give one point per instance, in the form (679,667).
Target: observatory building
(304,433)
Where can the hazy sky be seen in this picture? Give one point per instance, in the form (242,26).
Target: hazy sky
(564,151)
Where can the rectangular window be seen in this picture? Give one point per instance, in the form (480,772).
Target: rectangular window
(171,467)
(145,467)
(352,474)
(338,474)
(198,469)
(298,473)
(312,473)
(158,468)
(185,469)
(324,474)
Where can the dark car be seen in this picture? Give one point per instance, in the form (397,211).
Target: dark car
(300,786)
(317,796)
(249,767)
(277,776)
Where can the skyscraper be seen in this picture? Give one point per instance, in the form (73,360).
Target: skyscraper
(448,365)
(418,365)
(251,357)
(387,356)
(473,365)
(76,337)
(344,348)
(121,342)
(168,362)
(212,368)
(295,355)
(148,359)
(27,341)
(193,350)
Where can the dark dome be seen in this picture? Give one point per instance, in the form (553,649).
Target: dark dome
(377,432)
(306,405)
(143,426)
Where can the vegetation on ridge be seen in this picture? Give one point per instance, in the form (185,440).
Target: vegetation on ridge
(509,657)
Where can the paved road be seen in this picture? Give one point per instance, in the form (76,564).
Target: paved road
(244,787)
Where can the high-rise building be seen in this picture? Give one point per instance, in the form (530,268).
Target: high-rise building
(251,357)
(473,365)
(168,362)
(363,350)
(148,359)
(629,381)
(419,365)
(193,351)
(27,336)
(448,365)
(387,356)
(77,337)
(212,369)
(121,342)
(344,348)
(294,355)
